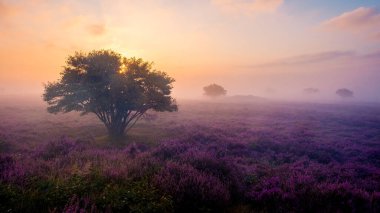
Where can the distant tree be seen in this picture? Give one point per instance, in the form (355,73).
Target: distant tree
(311,91)
(118,90)
(345,93)
(214,90)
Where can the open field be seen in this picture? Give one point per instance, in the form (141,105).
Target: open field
(254,156)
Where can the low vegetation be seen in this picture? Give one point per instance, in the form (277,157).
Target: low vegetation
(209,157)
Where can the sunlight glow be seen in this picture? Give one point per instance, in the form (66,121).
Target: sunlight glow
(123,68)
(245,45)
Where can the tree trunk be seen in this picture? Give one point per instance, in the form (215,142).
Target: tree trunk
(115,132)
(118,125)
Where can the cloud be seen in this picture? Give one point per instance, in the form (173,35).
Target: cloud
(248,6)
(357,19)
(7,10)
(3,9)
(362,21)
(96,29)
(321,57)
(310,58)
(21,23)
(373,55)
(376,36)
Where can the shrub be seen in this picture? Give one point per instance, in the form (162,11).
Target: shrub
(190,188)
(60,147)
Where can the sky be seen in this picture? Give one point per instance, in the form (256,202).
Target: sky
(270,48)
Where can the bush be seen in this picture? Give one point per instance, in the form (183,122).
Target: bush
(190,188)
(57,148)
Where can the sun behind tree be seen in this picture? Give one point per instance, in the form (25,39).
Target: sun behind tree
(118,90)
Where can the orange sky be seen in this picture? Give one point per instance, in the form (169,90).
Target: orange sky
(247,46)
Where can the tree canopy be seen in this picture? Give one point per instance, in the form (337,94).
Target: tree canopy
(214,90)
(311,91)
(118,90)
(345,93)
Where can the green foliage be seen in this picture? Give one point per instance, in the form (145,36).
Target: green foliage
(118,90)
(45,195)
(9,197)
(137,196)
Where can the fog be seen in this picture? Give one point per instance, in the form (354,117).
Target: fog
(286,81)
(283,79)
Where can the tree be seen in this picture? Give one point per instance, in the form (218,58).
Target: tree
(345,93)
(214,90)
(311,91)
(118,90)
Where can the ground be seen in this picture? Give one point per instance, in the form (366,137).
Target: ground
(232,156)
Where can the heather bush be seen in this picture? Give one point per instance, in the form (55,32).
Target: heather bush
(4,146)
(375,202)
(222,168)
(137,196)
(77,204)
(339,198)
(6,164)
(171,149)
(57,148)
(192,190)
(105,195)
(9,196)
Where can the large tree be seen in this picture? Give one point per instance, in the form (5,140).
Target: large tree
(118,90)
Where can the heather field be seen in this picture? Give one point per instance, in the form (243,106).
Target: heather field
(210,156)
